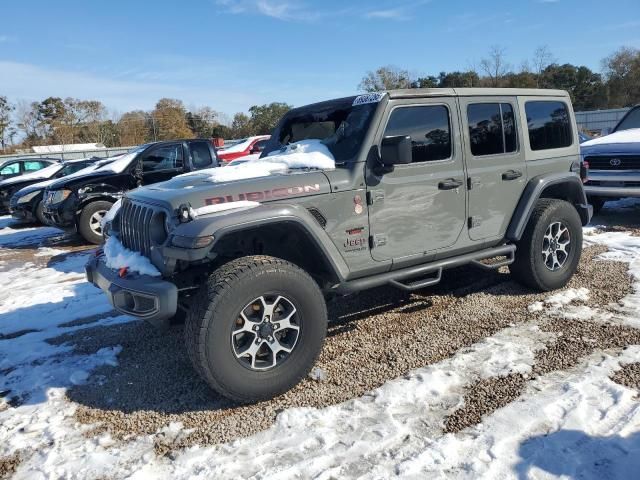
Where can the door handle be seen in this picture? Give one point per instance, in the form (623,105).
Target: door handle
(449,184)
(511,175)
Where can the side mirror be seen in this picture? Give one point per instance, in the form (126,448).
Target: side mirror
(396,150)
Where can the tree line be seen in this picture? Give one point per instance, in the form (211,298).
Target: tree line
(56,121)
(617,86)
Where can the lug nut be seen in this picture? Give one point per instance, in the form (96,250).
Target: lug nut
(270,338)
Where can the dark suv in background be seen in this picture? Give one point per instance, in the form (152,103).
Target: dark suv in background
(79,203)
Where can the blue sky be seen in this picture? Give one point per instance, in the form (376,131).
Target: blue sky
(231,54)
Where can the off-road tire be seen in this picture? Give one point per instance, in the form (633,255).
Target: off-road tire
(85,217)
(217,305)
(38,215)
(529,267)
(597,203)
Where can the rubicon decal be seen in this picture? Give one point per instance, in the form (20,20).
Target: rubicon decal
(265,194)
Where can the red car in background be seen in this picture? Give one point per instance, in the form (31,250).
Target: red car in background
(245,147)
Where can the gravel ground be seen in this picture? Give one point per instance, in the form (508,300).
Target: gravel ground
(8,465)
(629,376)
(373,337)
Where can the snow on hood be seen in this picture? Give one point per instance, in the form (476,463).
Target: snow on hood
(623,136)
(304,154)
(43,173)
(223,207)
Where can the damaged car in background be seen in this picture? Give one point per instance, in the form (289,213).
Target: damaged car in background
(78,203)
(26,192)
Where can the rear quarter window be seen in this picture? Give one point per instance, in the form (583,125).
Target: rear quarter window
(549,124)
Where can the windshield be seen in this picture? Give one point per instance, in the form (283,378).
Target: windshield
(339,124)
(632,120)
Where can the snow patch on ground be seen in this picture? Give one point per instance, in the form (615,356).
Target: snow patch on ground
(118,256)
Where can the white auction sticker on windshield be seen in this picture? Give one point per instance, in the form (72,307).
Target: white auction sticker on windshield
(368,98)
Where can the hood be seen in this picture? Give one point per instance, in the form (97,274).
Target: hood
(34,187)
(624,141)
(71,181)
(198,191)
(293,171)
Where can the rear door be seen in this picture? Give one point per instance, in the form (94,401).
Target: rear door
(495,163)
(201,155)
(162,162)
(419,208)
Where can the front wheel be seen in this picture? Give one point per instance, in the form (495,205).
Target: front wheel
(256,328)
(90,222)
(547,256)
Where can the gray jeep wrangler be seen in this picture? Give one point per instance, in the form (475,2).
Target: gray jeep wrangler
(424,180)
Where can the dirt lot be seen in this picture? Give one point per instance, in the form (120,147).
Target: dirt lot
(374,337)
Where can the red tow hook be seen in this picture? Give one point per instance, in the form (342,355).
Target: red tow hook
(122,272)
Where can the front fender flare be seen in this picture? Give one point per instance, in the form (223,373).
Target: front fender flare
(221,224)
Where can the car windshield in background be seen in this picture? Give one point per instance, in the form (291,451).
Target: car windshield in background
(632,120)
(339,124)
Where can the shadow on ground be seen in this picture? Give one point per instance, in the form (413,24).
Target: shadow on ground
(577,455)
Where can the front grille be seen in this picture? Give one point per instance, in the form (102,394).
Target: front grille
(135,227)
(614,162)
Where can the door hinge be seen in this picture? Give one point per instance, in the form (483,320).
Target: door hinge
(378,240)
(474,222)
(375,196)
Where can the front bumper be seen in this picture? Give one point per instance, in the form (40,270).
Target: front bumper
(61,215)
(141,296)
(22,212)
(615,183)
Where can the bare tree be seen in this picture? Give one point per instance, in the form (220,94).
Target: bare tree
(542,58)
(5,120)
(495,65)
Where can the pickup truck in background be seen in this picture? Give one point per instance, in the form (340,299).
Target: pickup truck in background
(613,162)
(78,203)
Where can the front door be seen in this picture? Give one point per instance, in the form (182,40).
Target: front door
(419,208)
(495,163)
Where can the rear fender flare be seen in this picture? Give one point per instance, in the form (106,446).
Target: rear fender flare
(549,185)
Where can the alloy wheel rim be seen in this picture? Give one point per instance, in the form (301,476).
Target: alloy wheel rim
(95,221)
(265,332)
(556,246)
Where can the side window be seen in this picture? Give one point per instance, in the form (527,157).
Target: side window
(492,129)
(33,166)
(167,157)
(11,169)
(549,125)
(201,154)
(429,128)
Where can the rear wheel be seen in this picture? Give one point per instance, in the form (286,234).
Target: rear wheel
(90,222)
(547,256)
(255,330)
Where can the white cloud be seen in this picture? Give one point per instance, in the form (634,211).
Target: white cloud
(279,9)
(32,82)
(401,11)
